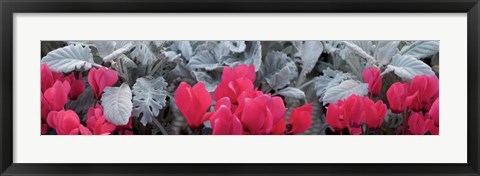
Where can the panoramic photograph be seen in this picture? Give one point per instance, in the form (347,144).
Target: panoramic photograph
(105,87)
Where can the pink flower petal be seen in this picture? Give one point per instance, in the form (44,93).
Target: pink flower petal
(253,116)
(57,95)
(371,76)
(279,127)
(301,119)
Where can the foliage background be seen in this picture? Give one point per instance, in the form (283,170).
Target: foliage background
(299,71)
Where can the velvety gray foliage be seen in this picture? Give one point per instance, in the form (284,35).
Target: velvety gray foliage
(209,56)
(330,78)
(211,79)
(236,46)
(278,70)
(149,97)
(406,67)
(144,51)
(104,47)
(344,90)
(310,53)
(292,93)
(298,71)
(385,51)
(251,56)
(182,47)
(117,104)
(421,49)
(69,58)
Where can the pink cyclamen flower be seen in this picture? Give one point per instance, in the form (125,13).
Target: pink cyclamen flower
(193,103)
(48,77)
(274,104)
(45,107)
(81,130)
(335,117)
(101,78)
(354,114)
(279,127)
(258,114)
(223,121)
(77,85)
(44,128)
(240,71)
(97,123)
(434,114)
(418,124)
(238,109)
(301,119)
(56,96)
(426,89)
(232,89)
(371,75)
(234,82)
(66,123)
(256,117)
(374,113)
(398,97)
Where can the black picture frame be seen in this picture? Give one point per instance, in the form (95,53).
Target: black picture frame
(9,7)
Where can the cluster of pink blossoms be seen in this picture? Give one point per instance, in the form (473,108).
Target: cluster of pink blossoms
(355,111)
(417,101)
(240,108)
(56,90)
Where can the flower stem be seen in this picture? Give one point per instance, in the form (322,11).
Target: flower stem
(97,65)
(160,126)
(405,120)
(306,84)
(386,71)
(300,80)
